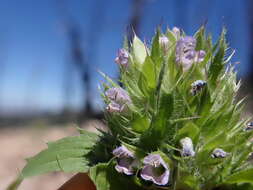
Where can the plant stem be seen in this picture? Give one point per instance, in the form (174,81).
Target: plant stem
(175,176)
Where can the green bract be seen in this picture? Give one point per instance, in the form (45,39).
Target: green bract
(177,103)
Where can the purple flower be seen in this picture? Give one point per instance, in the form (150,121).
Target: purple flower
(185,44)
(219,153)
(155,170)
(126,162)
(186,54)
(187,147)
(197,86)
(118,95)
(164,42)
(122,57)
(114,107)
(200,56)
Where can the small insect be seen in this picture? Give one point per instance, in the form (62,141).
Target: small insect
(197,86)
(249,126)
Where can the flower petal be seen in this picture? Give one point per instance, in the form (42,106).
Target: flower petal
(155,170)
(122,151)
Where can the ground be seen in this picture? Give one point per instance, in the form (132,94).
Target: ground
(20,143)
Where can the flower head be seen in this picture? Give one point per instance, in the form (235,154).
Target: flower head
(122,57)
(197,86)
(186,54)
(185,44)
(155,170)
(219,153)
(118,95)
(187,147)
(126,161)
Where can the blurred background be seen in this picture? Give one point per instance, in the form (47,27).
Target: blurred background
(51,51)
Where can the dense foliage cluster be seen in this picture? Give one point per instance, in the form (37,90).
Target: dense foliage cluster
(173,123)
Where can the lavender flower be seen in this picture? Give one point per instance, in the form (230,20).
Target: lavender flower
(200,56)
(122,57)
(114,107)
(164,42)
(187,147)
(219,153)
(185,44)
(197,86)
(155,170)
(126,162)
(118,95)
(186,54)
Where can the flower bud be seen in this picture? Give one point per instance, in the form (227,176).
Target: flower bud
(200,56)
(176,32)
(187,147)
(219,153)
(164,43)
(122,57)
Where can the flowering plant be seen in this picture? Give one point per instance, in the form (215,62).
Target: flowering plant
(174,124)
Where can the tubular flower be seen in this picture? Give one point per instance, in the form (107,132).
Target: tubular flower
(187,147)
(197,86)
(114,107)
(118,95)
(200,56)
(155,170)
(186,54)
(126,162)
(122,57)
(219,153)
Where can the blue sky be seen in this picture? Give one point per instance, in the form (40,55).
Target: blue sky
(34,47)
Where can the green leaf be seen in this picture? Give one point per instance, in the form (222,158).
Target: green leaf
(189,130)
(149,72)
(105,177)
(139,50)
(15,184)
(141,124)
(200,37)
(245,176)
(67,154)
(217,65)
(98,175)
(156,50)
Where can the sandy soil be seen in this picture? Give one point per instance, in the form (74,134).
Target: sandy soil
(18,144)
